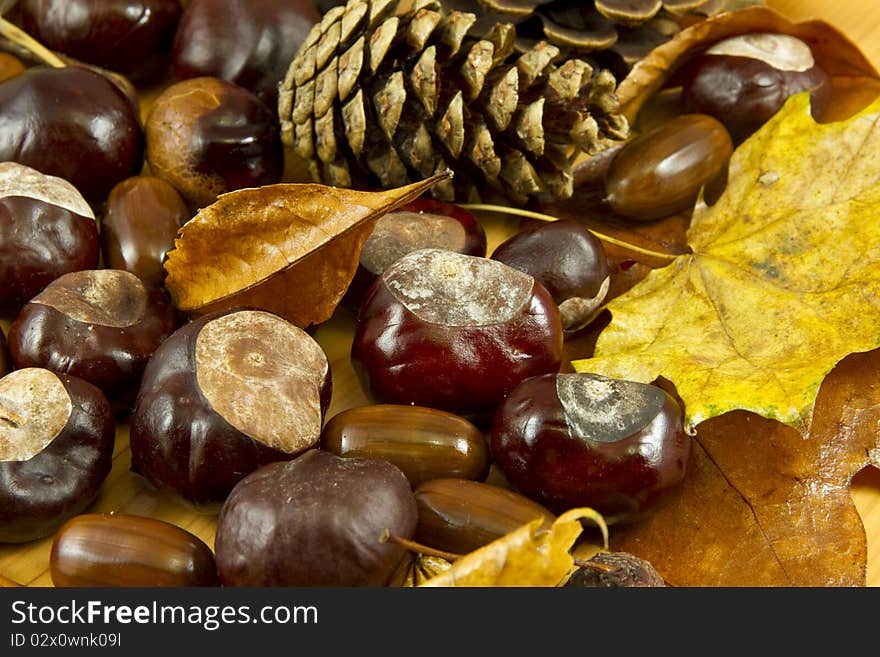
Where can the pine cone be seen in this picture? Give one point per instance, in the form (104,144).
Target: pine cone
(618,32)
(378,97)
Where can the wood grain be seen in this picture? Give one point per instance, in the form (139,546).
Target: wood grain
(124,492)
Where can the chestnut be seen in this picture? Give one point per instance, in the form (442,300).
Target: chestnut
(460,516)
(129,36)
(661,172)
(227,393)
(101,549)
(206,137)
(566,259)
(318,520)
(141,220)
(46,229)
(56,448)
(744,80)
(454,332)
(73,123)
(248,42)
(101,325)
(423,442)
(571,440)
(420,224)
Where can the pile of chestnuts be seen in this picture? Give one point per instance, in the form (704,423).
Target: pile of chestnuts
(476,427)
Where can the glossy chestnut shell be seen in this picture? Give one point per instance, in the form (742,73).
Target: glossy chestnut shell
(421,338)
(40,242)
(567,260)
(318,520)
(40,493)
(95,347)
(179,440)
(248,42)
(73,123)
(572,440)
(206,136)
(129,36)
(423,223)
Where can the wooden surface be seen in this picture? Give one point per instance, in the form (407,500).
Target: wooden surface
(124,492)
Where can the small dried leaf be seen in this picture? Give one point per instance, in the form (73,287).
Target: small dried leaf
(291,249)
(855,81)
(527,556)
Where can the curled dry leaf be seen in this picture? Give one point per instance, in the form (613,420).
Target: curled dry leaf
(291,249)
(528,556)
(782,282)
(855,80)
(763,505)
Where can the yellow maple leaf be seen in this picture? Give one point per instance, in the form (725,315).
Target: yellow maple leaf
(528,556)
(783,280)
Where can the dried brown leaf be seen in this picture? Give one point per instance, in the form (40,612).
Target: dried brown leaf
(290,248)
(763,505)
(855,80)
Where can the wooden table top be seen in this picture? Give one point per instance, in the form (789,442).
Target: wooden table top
(124,492)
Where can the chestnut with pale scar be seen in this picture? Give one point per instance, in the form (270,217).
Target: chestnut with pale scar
(454,332)
(263,376)
(101,325)
(226,394)
(56,447)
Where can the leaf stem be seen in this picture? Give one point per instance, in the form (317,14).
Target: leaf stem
(412,546)
(26,41)
(487,207)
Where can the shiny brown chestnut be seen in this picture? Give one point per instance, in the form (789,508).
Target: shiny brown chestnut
(101,325)
(566,259)
(140,223)
(72,123)
(454,332)
(318,520)
(572,440)
(46,229)
(744,80)
(420,224)
(207,136)
(662,171)
(101,549)
(226,394)
(56,448)
(423,442)
(129,36)
(459,516)
(248,42)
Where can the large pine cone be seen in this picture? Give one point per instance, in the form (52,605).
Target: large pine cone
(378,97)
